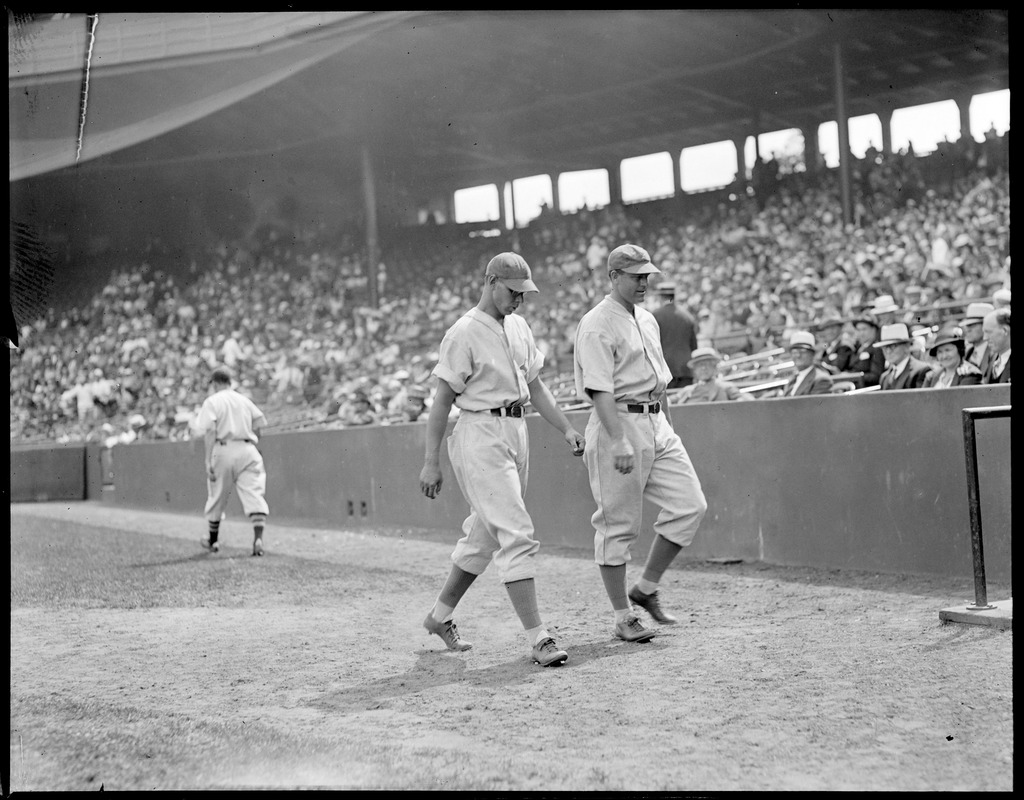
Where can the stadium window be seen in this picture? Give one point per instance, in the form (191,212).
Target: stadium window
(865,130)
(785,146)
(476,204)
(531,196)
(987,110)
(925,126)
(583,189)
(708,166)
(647,177)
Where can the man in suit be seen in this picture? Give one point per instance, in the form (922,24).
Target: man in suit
(976,349)
(809,377)
(839,344)
(707,386)
(997,333)
(903,371)
(867,358)
(678,335)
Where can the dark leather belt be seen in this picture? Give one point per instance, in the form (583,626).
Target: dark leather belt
(509,411)
(641,408)
(225,441)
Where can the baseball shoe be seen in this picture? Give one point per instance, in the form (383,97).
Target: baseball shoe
(632,630)
(547,654)
(213,547)
(257,547)
(448,632)
(650,604)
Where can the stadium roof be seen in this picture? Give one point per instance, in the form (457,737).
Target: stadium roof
(452,98)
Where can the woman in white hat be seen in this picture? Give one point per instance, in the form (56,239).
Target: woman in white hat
(707,387)
(947,349)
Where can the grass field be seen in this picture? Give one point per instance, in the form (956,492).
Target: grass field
(140,662)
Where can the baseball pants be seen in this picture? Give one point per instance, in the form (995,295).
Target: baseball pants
(662,473)
(236,465)
(490,457)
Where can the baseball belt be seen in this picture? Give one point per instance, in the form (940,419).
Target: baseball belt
(509,411)
(643,408)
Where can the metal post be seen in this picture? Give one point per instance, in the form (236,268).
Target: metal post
(974,506)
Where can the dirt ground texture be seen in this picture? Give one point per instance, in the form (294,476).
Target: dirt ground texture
(140,662)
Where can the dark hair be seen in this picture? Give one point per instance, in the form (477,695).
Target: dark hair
(1002,316)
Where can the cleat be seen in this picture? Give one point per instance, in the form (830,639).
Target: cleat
(213,547)
(632,630)
(650,604)
(257,547)
(448,632)
(547,654)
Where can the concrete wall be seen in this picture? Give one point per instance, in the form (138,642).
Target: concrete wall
(870,482)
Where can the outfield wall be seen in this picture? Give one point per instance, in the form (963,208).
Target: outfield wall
(871,482)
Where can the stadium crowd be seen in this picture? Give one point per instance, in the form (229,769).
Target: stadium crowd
(290,313)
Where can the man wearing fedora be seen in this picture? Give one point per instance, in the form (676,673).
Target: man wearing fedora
(885,310)
(678,335)
(707,386)
(809,377)
(839,344)
(975,346)
(867,359)
(997,334)
(903,370)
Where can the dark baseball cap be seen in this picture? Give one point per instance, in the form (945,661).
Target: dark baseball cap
(513,271)
(631,258)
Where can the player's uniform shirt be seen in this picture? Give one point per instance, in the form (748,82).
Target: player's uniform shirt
(619,352)
(231,416)
(489,364)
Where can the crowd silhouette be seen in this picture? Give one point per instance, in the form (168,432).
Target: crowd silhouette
(291,312)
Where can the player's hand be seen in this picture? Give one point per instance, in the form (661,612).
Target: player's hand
(430,480)
(575,440)
(622,455)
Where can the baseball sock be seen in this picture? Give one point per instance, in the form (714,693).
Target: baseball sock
(257,525)
(214,528)
(662,553)
(614,577)
(454,588)
(523,595)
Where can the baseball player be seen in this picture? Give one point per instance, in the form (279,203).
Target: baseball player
(489,367)
(230,424)
(632,452)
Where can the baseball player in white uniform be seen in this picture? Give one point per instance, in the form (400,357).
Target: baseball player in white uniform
(632,453)
(230,423)
(489,367)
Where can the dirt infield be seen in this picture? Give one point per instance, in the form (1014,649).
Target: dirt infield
(140,662)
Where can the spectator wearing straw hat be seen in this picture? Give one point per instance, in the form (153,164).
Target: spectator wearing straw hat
(1001,298)
(947,349)
(885,309)
(975,346)
(707,386)
(903,370)
(809,377)
(867,359)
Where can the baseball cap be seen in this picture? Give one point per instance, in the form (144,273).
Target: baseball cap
(513,271)
(631,258)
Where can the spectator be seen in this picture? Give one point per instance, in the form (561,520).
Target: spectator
(867,359)
(903,371)
(678,335)
(707,386)
(809,377)
(1001,298)
(947,349)
(839,344)
(358,411)
(976,348)
(885,310)
(997,333)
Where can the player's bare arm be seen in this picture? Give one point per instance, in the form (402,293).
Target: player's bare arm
(209,437)
(547,407)
(608,413)
(437,424)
